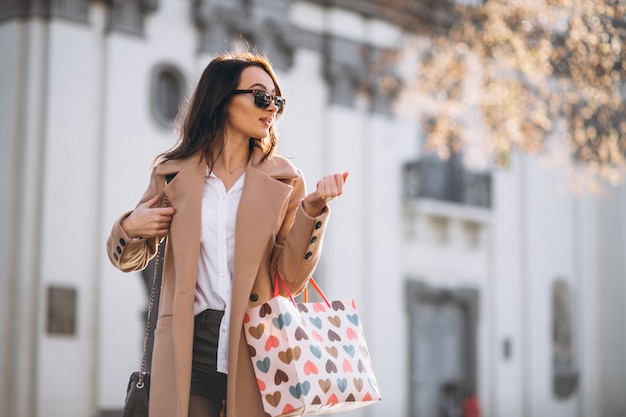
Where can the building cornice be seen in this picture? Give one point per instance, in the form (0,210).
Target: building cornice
(123,15)
(127,15)
(418,16)
(77,10)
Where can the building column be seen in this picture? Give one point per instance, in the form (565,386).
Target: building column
(26,62)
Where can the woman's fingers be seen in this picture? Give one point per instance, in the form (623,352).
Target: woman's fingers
(149,221)
(159,220)
(150,203)
(326,189)
(331,186)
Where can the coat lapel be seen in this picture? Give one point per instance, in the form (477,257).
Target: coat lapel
(262,200)
(184,193)
(266,190)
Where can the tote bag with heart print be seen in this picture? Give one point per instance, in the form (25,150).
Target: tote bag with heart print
(309,358)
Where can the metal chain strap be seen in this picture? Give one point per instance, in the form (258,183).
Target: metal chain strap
(146,336)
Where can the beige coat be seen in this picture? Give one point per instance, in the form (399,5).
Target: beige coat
(273,233)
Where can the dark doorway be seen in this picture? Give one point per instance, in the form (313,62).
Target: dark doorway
(442,348)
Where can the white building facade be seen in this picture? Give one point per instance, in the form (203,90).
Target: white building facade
(493,282)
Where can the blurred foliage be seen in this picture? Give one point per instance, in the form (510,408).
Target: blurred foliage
(536,69)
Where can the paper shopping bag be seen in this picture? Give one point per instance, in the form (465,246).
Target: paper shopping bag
(310,358)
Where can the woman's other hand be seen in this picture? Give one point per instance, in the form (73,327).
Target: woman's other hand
(327,189)
(147,221)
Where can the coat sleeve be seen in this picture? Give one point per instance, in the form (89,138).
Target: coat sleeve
(299,242)
(129,254)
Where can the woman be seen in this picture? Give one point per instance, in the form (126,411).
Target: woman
(235,213)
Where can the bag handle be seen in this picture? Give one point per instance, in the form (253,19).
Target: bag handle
(146,335)
(313,283)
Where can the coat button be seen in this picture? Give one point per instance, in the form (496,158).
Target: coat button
(119,250)
(122,242)
(115,256)
(308,255)
(254,297)
(318,225)
(313,239)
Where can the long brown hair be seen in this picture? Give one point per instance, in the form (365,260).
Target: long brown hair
(202,121)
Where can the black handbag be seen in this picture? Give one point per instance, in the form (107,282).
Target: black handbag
(137,395)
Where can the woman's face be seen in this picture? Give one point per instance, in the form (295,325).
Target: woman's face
(244,119)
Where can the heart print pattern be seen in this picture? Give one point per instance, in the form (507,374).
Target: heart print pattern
(310,358)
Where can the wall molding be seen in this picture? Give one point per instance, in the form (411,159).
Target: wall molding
(76,10)
(128,16)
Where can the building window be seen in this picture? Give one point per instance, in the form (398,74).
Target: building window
(446,180)
(565,370)
(167,92)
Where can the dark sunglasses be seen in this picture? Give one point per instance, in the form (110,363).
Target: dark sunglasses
(262,99)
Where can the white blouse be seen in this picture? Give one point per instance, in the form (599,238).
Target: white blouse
(215,269)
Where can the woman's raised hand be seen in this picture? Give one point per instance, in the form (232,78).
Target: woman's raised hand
(148,221)
(327,189)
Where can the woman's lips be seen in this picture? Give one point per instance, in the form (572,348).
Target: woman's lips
(267,121)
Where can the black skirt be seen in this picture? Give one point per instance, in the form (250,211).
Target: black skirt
(205,380)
